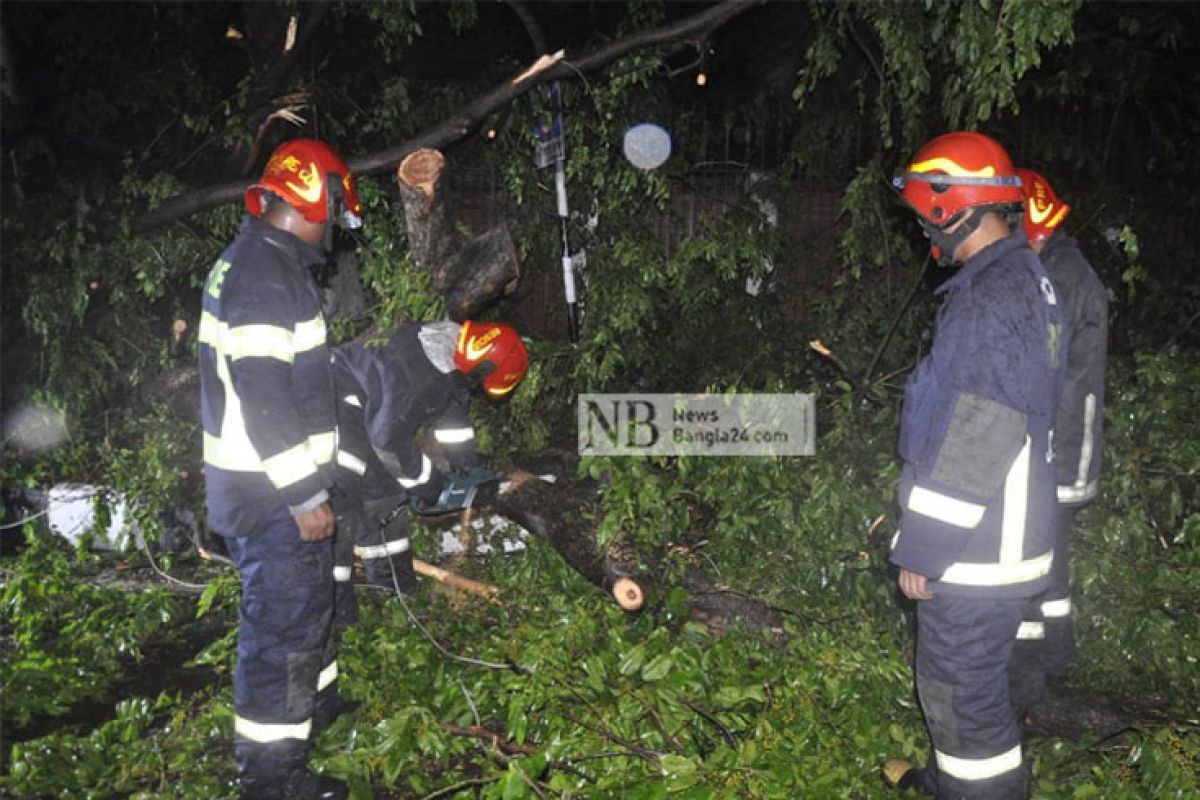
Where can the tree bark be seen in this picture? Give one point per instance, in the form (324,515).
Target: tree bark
(470,116)
(432,237)
(484,270)
(469,274)
(553,512)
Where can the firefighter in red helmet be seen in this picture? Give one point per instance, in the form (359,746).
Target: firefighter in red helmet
(269,430)
(1047,632)
(976,490)
(389,388)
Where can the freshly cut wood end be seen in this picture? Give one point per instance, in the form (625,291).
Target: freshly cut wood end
(420,169)
(628,594)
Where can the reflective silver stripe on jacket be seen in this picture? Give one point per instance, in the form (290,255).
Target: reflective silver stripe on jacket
(454,435)
(1011,567)
(351,462)
(1031,630)
(426,472)
(945,508)
(232,449)
(1083,489)
(327,676)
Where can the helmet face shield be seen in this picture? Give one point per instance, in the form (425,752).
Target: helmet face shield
(950,176)
(337,207)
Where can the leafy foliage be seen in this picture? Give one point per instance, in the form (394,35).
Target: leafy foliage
(599,704)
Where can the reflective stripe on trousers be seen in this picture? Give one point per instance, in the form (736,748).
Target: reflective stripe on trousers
(285,644)
(963,651)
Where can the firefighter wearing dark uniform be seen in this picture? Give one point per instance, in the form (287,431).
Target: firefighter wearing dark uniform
(1078,428)
(269,442)
(977,488)
(389,387)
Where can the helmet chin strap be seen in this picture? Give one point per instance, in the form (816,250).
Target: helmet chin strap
(943,242)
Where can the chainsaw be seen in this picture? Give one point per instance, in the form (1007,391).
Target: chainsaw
(477,487)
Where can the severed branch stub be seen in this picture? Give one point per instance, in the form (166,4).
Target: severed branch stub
(469,273)
(628,594)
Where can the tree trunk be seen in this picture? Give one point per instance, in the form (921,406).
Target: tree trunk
(552,512)
(432,237)
(469,274)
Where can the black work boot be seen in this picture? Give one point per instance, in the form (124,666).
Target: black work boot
(298,785)
(307,786)
(380,573)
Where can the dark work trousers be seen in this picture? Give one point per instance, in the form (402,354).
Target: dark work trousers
(286,652)
(368,497)
(347,512)
(1046,638)
(384,547)
(963,650)
(1057,649)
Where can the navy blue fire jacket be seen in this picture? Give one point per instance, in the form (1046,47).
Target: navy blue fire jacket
(976,436)
(400,382)
(267,400)
(1079,426)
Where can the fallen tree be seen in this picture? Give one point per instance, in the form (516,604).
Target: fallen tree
(685,33)
(554,512)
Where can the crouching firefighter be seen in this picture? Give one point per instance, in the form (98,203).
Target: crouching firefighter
(977,488)
(268,411)
(390,387)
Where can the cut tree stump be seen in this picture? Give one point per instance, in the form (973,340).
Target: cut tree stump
(469,273)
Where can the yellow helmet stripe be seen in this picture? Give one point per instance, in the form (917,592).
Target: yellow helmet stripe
(951,168)
(461,346)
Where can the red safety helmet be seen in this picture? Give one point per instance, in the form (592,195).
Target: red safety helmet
(311,178)
(494,351)
(952,174)
(1044,211)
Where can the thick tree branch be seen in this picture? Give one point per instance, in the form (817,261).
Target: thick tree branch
(532,27)
(470,116)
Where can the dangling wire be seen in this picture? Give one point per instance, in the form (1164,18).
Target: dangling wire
(417,623)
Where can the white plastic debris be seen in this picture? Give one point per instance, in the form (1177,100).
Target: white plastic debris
(71,513)
(488,534)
